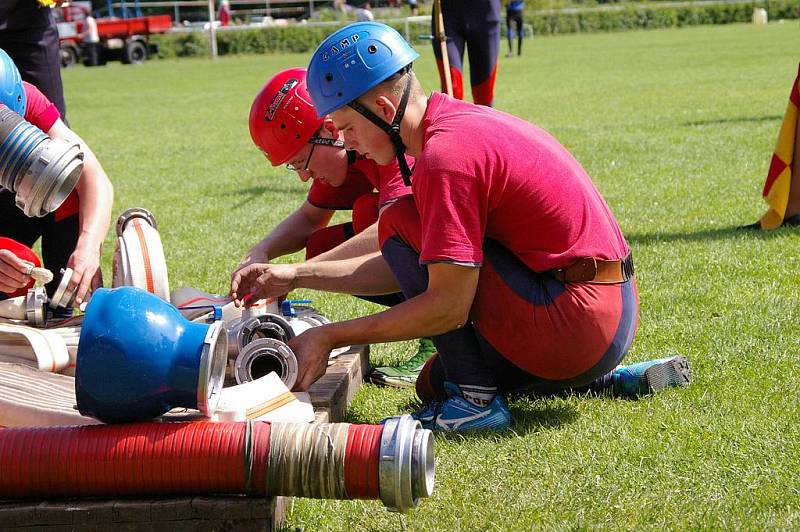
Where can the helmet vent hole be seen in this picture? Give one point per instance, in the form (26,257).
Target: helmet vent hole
(372,48)
(328,77)
(283,126)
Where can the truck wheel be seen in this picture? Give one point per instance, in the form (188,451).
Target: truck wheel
(69,56)
(135,53)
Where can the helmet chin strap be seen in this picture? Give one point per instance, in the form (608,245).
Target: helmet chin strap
(393,129)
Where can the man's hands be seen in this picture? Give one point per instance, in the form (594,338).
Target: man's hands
(13,272)
(86,273)
(312,350)
(262,281)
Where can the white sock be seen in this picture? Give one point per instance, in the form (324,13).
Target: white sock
(479,396)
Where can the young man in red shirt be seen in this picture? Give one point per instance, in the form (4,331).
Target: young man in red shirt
(72,236)
(507,254)
(284,125)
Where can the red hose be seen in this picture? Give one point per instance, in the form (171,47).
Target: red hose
(260,453)
(361,461)
(136,459)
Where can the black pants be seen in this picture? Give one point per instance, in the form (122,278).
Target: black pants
(35,51)
(515,18)
(59,238)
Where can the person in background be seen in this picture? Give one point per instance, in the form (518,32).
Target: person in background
(224,13)
(473,25)
(364,13)
(514,10)
(284,125)
(91,41)
(29,35)
(73,235)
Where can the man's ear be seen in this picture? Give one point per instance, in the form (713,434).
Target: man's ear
(386,108)
(330,127)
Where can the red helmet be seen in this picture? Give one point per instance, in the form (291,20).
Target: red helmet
(282,117)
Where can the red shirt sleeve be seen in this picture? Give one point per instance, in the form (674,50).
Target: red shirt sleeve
(341,198)
(39,111)
(453,214)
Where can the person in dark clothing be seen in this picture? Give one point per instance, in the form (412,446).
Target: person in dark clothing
(28,33)
(474,24)
(514,10)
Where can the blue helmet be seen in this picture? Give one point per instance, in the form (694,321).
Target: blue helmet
(12,93)
(353,60)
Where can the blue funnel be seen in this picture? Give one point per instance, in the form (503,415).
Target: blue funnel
(139,358)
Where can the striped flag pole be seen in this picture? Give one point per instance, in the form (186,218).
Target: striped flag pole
(784,166)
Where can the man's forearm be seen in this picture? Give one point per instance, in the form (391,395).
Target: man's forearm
(364,275)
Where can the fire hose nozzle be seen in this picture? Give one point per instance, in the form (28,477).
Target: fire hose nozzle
(41,171)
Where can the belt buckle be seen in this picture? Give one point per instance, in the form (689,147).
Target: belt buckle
(581,271)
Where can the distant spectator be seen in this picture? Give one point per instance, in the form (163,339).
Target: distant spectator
(514,10)
(413,5)
(91,41)
(364,14)
(224,13)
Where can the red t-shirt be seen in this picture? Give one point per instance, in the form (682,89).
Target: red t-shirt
(511,182)
(39,111)
(42,113)
(363,176)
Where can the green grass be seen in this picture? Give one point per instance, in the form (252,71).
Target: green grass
(677,128)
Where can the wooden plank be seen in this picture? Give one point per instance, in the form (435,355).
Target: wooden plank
(332,393)
(174,514)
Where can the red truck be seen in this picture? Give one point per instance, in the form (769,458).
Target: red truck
(125,39)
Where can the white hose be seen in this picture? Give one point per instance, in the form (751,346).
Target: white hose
(139,258)
(41,349)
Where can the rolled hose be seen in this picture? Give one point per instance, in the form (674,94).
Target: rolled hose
(393,462)
(40,171)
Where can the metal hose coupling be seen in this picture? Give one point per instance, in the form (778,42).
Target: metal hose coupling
(393,461)
(40,171)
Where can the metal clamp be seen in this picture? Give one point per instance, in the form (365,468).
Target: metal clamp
(406,470)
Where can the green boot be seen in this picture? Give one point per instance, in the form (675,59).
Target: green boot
(404,375)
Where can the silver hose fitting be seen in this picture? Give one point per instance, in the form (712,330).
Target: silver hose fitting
(406,470)
(212,368)
(135,212)
(40,171)
(244,331)
(265,355)
(62,297)
(35,306)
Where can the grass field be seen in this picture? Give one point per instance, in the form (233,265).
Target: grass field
(676,128)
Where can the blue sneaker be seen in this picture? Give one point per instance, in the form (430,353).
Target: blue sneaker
(456,414)
(651,376)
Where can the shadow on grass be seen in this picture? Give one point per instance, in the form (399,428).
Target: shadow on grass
(740,119)
(251,193)
(528,414)
(719,233)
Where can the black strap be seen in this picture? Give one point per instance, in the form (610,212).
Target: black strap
(393,129)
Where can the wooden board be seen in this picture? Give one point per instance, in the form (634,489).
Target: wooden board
(174,514)
(332,394)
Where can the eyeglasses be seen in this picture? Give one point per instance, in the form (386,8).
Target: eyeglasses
(315,141)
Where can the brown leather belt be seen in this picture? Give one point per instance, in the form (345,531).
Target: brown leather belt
(591,270)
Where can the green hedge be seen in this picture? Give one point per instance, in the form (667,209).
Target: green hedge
(304,39)
(655,16)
